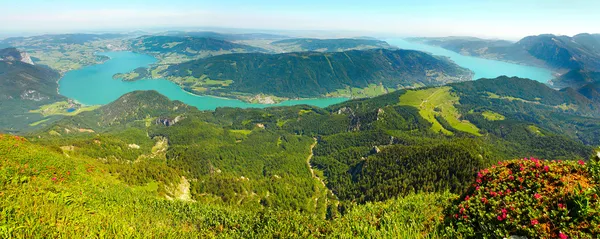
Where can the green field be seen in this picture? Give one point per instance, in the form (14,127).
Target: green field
(60,108)
(492,116)
(370,91)
(439,101)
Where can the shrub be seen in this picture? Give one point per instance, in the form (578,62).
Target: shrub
(529,197)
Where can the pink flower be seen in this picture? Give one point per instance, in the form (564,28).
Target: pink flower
(562,235)
(484,200)
(477,188)
(508,191)
(462,210)
(534,222)
(53,178)
(537,196)
(581,162)
(479,175)
(500,218)
(478,180)
(493,194)
(522,169)
(467,198)
(560,205)
(504,211)
(546,168)
(511,177)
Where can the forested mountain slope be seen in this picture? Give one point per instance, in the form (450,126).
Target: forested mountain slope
(312,74)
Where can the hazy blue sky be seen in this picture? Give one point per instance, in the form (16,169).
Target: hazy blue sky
(509,19)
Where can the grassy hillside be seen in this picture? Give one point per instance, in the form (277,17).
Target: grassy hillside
(311,74)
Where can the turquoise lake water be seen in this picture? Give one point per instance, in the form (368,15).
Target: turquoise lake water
(94,85)
(483,68)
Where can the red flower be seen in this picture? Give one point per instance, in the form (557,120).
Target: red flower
(534,222)
(479,175)
(484,200)
(546,168)
(511,177)
(581,162)
(462,210)
(560,205)
(493,194)
(500,218)
(477,188)
(467,198)
(478,180)
(522,169)
(508,191)
(562,235)
(504,211)
(537,196)
(54,179)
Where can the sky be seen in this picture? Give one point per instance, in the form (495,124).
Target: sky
(505,19)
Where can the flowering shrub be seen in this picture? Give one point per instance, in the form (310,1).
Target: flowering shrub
(530,197)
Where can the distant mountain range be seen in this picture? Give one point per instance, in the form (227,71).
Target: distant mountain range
(189,46)
(225,36)
(561,53)
(578,57)
(332,45)
(314,74)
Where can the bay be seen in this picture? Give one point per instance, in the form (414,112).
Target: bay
(94,85)
(483,68)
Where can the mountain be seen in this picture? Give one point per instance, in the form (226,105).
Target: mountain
(24,87)
(12,54)
(591,91)
(561,53)
(576,79)
(330,45)
(138,107)
(313,74)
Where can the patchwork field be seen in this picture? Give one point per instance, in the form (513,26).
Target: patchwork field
(438,102)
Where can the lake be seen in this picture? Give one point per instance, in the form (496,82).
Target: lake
(483,68)
(94,85)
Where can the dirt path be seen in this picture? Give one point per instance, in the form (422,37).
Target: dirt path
(312,171)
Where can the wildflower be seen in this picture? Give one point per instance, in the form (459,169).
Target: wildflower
(53,178)
(511,177)
(562,235)
(581,162)
(462,210)
(534,222)
(484,200)
(493,194)
(477,188)
(479,175)
(561,206)
(546,168)
(499,162)
(537,196)
(500,218)
(508,191)
(504,211)
(522,169)
(467,198)
(478,180)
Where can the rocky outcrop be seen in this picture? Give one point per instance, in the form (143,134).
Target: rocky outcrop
(12,54)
